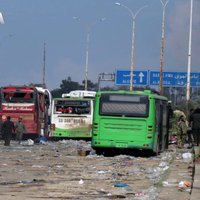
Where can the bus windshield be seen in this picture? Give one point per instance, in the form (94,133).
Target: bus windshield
(17,97)
(72,106)
(130,105)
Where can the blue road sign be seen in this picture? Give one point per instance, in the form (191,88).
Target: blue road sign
(122,77)
(174,79)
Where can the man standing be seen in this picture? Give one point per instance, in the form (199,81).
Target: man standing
(195,122)
(20,129)
(8,128)
(190,138)
(182,131)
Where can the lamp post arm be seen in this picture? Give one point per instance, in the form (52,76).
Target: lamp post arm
(129,10)
(164,4)
(139,10)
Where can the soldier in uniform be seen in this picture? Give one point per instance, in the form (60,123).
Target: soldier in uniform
(182,128)
(20,129)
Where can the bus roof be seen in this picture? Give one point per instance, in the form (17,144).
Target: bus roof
(79,93)
(142,92)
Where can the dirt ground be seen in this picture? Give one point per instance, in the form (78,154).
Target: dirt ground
(57,170)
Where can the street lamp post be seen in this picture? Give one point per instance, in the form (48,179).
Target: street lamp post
(133,16)
(189,55)
(44,66)
(164,4)
(87,47)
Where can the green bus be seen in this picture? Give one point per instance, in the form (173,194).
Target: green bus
(130,120)
(71,115)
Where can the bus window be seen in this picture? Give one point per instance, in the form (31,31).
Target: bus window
(72,107)
(18,97)
(7,97)
(124,105)
(58,109)
(67,110)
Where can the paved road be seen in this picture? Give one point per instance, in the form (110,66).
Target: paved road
(55,170)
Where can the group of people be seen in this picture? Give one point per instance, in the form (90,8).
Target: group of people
(189,130)
(8,128)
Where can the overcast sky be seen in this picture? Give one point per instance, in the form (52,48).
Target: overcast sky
(30,23)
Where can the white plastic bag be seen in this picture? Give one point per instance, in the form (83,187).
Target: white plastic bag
(187,156)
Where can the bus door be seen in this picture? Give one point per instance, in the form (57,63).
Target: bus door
(159,120)
(161,123)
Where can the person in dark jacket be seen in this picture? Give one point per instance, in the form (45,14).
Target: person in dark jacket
(8,128)
(190,138)
(195,123)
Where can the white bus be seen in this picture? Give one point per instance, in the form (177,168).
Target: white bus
(72,115)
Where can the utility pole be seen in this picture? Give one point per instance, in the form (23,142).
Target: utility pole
(44,66)
(189,55)
(164,4)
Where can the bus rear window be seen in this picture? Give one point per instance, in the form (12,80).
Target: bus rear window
(18,97)
(130,105)
(72,107)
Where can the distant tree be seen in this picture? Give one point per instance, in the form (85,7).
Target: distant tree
(68,85)
(90,85)
(56,93)
(107,88)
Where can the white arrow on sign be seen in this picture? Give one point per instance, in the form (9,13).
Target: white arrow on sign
(141,75)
